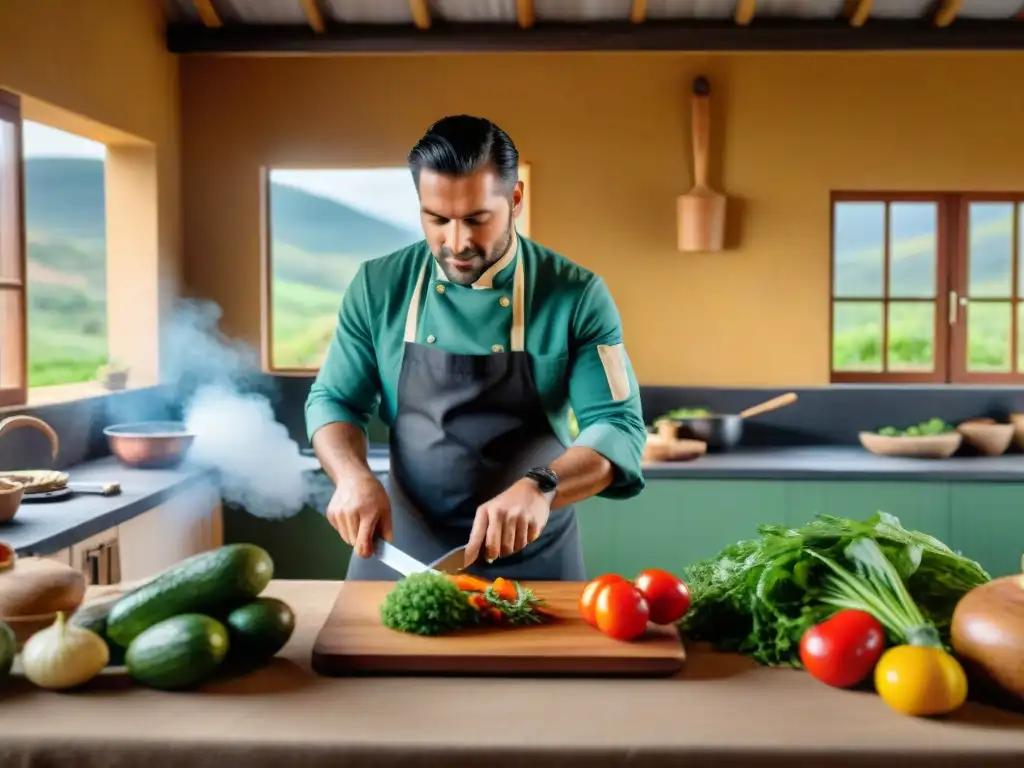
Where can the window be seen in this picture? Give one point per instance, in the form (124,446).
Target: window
(79,289)
(13,382)
(927,288)
(321,225)
(65,233)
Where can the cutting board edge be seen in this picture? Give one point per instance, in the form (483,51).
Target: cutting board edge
(386,665)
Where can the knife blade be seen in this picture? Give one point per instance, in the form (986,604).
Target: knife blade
(451,563)
(397,560)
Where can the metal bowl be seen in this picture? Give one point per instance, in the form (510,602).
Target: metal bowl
(149,444)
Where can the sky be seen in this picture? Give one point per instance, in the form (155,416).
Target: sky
(387,193)
(44,141)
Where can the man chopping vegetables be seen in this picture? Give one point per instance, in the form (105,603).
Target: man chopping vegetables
(472,345)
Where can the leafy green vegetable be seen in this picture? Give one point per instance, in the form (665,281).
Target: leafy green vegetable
(426,604)
(757,597)
(928,428)
(686,413)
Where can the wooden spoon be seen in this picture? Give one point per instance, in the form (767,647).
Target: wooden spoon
(769,405)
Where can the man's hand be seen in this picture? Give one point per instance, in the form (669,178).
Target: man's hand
(508,522)
(359,508)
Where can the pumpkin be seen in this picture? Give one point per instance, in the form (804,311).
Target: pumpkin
(987,633)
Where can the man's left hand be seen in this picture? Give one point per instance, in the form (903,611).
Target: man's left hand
(508,522)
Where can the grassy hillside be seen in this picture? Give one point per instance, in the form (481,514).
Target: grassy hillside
(317,246)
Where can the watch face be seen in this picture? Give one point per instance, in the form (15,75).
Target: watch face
(546,480)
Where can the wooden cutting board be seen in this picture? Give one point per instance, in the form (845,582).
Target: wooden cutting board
(354,642)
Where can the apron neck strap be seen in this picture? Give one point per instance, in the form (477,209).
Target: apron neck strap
(517,340)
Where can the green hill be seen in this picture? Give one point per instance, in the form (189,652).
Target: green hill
(317,245)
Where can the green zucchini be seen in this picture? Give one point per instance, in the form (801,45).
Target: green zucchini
(93,616)
(177,653)
(212,583)
(8,650)
(259,630)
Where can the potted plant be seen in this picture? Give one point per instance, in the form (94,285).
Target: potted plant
(114,375)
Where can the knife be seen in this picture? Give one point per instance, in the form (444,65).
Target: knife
(397,560)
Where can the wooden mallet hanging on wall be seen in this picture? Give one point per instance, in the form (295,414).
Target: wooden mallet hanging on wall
(700,214)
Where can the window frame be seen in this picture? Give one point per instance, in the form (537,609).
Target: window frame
(266,241)
(958,290)
(951,267)
(940,372)
(14,327)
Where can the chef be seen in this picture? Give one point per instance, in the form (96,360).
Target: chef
(472,345)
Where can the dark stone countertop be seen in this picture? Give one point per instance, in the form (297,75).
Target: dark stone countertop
(818,462)
(46,527)
(840,462)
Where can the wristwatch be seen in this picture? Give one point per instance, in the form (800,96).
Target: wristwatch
(546,480)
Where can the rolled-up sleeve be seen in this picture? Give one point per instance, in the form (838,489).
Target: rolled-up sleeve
(603,391)
(347,387)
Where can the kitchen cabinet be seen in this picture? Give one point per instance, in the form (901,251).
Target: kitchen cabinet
(186,524)
(139,548)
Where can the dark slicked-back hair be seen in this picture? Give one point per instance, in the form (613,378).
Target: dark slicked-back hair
(461,144)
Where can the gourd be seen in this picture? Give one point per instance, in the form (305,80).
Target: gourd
(987,633)
(63,655)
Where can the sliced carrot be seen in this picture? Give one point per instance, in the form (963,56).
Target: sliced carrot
(468,583)
(505,589)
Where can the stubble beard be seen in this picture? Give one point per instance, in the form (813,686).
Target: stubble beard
(463,277)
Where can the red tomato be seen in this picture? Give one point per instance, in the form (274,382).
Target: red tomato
(667,596)
(621,611)
(588,600)
(843,650)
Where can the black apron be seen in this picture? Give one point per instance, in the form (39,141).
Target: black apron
(466,428)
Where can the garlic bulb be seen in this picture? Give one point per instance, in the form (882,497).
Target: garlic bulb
(63,655)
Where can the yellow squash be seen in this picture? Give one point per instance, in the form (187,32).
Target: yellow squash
(920,680)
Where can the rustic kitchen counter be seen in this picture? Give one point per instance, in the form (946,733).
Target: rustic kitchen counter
(41,528)
(813,462)
(721,711)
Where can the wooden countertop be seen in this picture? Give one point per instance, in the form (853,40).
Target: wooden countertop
(720,711)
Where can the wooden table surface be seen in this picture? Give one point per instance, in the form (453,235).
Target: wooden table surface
(721,710)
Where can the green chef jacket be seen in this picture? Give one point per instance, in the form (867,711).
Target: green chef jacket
(573,335)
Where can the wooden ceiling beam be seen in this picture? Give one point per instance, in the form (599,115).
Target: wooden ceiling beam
(767,35)
(314,16)
(525,14)
(947,12)
(744,12)
(420,13)
(638,12)
(857,11)
(207,13)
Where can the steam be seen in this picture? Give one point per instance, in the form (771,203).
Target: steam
(225,401)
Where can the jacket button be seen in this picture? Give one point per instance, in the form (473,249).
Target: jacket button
(431,339)
(504,301)
(440,288)
(497,348)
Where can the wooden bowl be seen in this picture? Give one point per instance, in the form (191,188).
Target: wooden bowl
(660,449)
(11,494)
(986,436)
(928,447)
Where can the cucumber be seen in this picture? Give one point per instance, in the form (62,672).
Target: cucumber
(93,616)
(179,652)
(259,630)
(212,583)
(8,649)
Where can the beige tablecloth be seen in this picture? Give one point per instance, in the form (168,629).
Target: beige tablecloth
(722,711)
